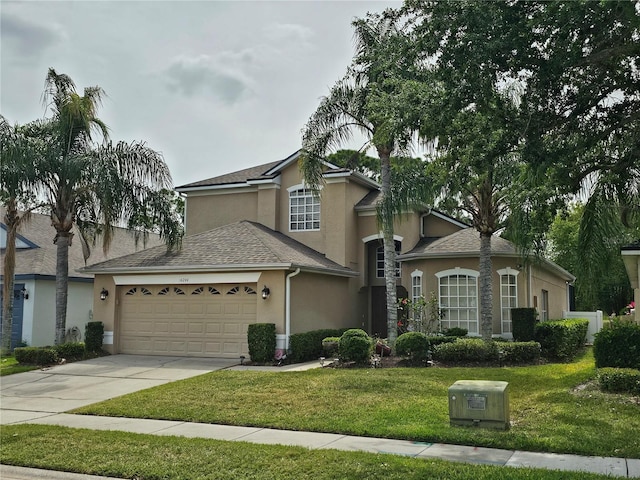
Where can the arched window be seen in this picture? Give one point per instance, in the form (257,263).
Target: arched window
(304,209)
(458,294)
(380,260)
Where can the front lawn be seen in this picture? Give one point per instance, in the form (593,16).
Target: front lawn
(9,365)
(129,455)
(551,409)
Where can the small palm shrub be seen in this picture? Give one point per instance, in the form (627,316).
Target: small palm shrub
(413,345)
(355,346)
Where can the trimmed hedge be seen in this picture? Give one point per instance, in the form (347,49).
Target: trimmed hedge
(93,334)
(466,350)
(438,339)
(619,380)
(413,345)
(523,321)
(561,339)
(71,351)
(307,346)
(456,332)
(36,355)
(330,346)
(261,338)
(518,353)
(355,346)
(618,346)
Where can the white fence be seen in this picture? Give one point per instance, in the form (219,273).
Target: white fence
(595,321)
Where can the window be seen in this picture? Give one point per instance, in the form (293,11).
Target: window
(545,306)
(458,291)
(304,210)
(416,290)
(380,261)
(508,296)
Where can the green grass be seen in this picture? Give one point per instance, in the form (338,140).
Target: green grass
(147,457)
(404,403)
(9,366)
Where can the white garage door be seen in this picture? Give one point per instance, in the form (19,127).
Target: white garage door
(190,320)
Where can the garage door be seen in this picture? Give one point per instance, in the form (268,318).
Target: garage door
(190,320)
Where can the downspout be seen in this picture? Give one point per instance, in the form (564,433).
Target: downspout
(287,308)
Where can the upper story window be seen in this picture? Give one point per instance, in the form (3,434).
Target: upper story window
(380,260)
(304,210)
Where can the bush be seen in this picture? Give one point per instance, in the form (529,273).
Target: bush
(355,346)
(330,346)
(36,355)
(413,345)
(619,380)
(71,351)
(308,346)
(518,353)
(618,346)
(93,337)
(456,332)
(561,339)
(261,338)
(438,339)
(466,350)
(523,321)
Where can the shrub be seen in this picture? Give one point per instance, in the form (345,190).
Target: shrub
(308,346)
(456,332)
(518,353)
(618,346)
(355,346)
(36,355)
(261,338)
(330,346)
(93,337)
(466,350)
(413,345)
(561,339)
(523,322)
(619,380)
(438,339)
(70,351)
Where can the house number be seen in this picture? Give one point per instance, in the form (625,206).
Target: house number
(184,280)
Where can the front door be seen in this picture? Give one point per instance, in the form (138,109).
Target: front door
(379,309)
(18,308)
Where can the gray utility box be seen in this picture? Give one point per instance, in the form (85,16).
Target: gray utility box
(480,403)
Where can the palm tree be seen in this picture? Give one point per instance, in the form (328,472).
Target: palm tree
(17,178)
(96,187)
(366,101)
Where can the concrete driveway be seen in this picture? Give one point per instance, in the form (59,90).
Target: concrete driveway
(40,393)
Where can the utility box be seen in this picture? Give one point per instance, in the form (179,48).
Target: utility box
(480,403)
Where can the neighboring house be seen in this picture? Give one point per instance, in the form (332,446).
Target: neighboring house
(631,258)
(34,316)
(261,247)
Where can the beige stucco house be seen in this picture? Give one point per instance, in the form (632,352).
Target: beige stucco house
(631,259)
(261,247)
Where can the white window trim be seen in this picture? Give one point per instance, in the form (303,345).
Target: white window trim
(460,271)
(398,264)
(416,275)
(296,188)
(504,272)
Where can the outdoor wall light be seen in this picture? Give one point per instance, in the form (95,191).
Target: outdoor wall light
(265,292)
(25,293)
(104,293)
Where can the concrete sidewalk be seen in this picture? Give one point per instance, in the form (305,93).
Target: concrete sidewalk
(41,397)
(619,467)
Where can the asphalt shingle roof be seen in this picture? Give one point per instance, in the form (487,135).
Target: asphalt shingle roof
(465,241)
(42,259)
(240,176)
(240,245)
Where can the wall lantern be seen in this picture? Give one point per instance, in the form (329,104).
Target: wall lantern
(25,293)
(265,292)
(104,294)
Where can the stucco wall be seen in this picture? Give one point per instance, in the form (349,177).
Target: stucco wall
(320,301)
(557,287)
(206,212)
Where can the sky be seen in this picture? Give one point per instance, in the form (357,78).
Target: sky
(215,86)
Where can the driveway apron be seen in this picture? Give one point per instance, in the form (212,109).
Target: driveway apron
(40,393)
